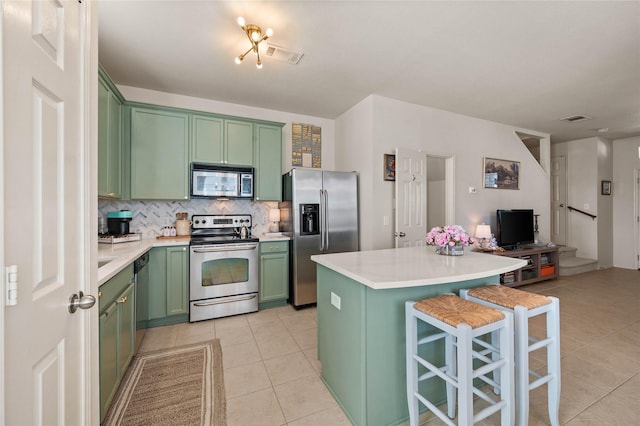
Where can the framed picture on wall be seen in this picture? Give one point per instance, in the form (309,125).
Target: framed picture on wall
(501,174)
(606,187)
(389,167)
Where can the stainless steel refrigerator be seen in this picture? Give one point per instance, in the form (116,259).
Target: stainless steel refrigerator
(320,211)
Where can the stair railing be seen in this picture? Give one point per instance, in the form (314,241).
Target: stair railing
(592,216)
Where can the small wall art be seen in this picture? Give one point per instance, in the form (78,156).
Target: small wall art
(501,174)
(606,187)
(389,167)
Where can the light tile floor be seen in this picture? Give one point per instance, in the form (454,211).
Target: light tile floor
(272,374)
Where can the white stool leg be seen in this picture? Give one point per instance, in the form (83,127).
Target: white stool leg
(412,365)
(521,324)
(553,360)
(507,415)
(451,362)
(465,375)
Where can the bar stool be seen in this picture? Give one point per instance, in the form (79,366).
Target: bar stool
(460,323)
(525,305)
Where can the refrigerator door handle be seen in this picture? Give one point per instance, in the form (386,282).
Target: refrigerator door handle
(326,220)
(321,221)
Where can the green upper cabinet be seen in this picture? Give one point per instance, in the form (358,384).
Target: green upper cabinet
(218,141)
(268,154)
(159,154)
(239,142)
(207,139)
(109,140)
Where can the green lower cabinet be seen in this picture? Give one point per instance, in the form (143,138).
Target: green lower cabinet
(168,285)
(117,333)
(274,274)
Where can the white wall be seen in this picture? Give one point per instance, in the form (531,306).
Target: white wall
(354,130)
(399,124)
(135,94)
(626,158)
(605,204)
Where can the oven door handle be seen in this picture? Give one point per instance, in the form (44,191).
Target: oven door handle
(226,300)
(235,248)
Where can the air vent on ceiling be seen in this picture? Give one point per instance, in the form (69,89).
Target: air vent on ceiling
(283,54)
(576,118)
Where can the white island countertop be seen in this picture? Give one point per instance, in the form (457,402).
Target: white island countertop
(415,266)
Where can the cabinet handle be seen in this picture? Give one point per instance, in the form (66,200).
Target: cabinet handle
(123,299)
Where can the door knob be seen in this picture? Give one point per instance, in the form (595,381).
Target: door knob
(400,234)
(561,205)
(81,301)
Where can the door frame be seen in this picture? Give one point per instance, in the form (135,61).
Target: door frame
(2,261)
(636,203)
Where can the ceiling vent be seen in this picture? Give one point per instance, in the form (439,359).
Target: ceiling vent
(283,54)
(576,118)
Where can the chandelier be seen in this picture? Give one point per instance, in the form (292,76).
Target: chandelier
(255,36)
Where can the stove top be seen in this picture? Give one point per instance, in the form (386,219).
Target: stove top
(114,239)
(220,229)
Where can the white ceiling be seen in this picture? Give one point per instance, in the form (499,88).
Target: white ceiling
(526,64)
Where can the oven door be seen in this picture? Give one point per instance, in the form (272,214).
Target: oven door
(223,270)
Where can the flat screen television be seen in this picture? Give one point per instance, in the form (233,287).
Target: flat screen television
(515,227)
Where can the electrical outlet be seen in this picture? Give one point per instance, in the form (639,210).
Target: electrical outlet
(335,300)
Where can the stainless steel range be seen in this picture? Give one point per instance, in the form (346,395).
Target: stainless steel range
(223,267)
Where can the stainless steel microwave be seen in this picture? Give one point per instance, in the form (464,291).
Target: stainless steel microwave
(214,181)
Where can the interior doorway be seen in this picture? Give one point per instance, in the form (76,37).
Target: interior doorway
(424,195)
(440,190)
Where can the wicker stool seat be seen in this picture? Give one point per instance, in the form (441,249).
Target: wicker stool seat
(525,305)
(460,324)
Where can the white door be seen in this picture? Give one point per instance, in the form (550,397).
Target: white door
(411,198)
(559,200)
(44,233)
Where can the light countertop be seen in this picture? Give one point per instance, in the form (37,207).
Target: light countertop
(273,236)
(123,254)
(415,266)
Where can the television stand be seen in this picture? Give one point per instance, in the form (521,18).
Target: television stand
(542,265)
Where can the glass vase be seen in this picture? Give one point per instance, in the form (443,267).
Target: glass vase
(455,250)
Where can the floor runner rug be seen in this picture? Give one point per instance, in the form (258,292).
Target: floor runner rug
(177,386)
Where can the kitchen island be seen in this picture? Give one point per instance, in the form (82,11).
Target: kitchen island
(361,325)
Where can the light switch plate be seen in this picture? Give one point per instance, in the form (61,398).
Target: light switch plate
(335,300)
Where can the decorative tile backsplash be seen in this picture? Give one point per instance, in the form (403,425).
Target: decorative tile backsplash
(150,216)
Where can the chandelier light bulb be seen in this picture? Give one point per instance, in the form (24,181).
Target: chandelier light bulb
(237,60)
(241,21)
(269,32)
(259,65)
(255,36)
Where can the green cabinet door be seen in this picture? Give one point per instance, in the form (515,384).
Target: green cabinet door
(239,142)
(116,333)
(177,280)
(109,142)
(108,356)
(207,139)
(274,273)
(159,154)
(168,285)
(268,159)
(126,328)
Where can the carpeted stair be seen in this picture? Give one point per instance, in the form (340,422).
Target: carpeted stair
(572,265)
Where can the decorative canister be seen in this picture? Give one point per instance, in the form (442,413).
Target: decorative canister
(182,227)
(454,250)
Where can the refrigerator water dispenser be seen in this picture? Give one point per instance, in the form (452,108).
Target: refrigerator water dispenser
(309,219)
